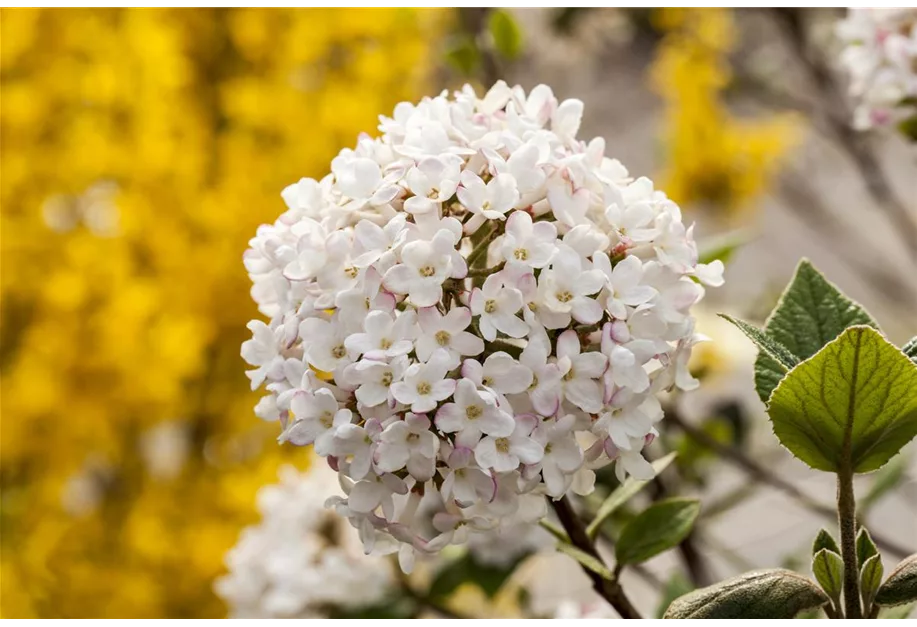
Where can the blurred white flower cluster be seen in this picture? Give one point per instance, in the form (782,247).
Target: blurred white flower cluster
(475,307)
(302,560)
(881,58)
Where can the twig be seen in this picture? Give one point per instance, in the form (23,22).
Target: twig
(837,115)
(610,590)
(759,473)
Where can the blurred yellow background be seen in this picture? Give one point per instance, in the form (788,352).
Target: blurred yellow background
(140,150)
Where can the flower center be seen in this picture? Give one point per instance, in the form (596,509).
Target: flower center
(486,205)
(473,412)
(534,382)
(386,379)
(521,254)
(490,305)
(413,437)
(427,271)
(487,381)
(351,272)
(424,388)
(385,343)
(565,296)
(503,445)
(442,338)
(569,376)
(547,448)
(338,352)
(327,419)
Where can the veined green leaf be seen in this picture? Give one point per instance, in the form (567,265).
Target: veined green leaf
(828,568)
(622,494)
(825,540)
(658,528)
(852,405)
(866,548)
(870,579)
(769,345)
(811,312)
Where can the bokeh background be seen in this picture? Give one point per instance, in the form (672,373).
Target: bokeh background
(140,149)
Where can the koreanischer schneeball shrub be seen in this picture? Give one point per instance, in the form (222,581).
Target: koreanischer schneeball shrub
(476,308)
(881,58)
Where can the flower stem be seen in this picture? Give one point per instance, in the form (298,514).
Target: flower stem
(846,514)
(610,590)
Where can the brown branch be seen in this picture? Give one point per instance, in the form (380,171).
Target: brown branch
(610,590)
(759,473)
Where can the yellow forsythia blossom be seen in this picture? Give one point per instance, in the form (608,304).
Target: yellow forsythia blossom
(140,150)
(711,157)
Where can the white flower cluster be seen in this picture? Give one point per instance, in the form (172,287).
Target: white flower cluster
(475,305)
(881,57)
(301,560)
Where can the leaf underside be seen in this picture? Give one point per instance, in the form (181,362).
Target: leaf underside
(775,593)
(901,585)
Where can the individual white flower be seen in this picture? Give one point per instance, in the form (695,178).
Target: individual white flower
(357,443)
(463,481)
(527,243)
(433,180)
(497,306)
(505,453)
(410,443)
(446,332)
(264,351)
(580,373)
(562,454)
(628,417)
(324,344)
(374,379)
(384,337)
(500,373)
(377,242)
(566,289)
(425,385)
(488,201)
(474,412)
(545,389)
(316,418)
(423,269)
(625,287)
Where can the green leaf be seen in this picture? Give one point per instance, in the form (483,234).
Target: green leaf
(624,493)
(866,548)
(467,569)
(554,530)
(769,345)
(825,540)
(810,313)
(901,585)
(870,579)
(910,349)
(900,611)
(588,561)
(506,33)
(723,248)
(884,481)
(853,405)
(774,593)
(828,568)
(659,527)
(463,55)
(677,585)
